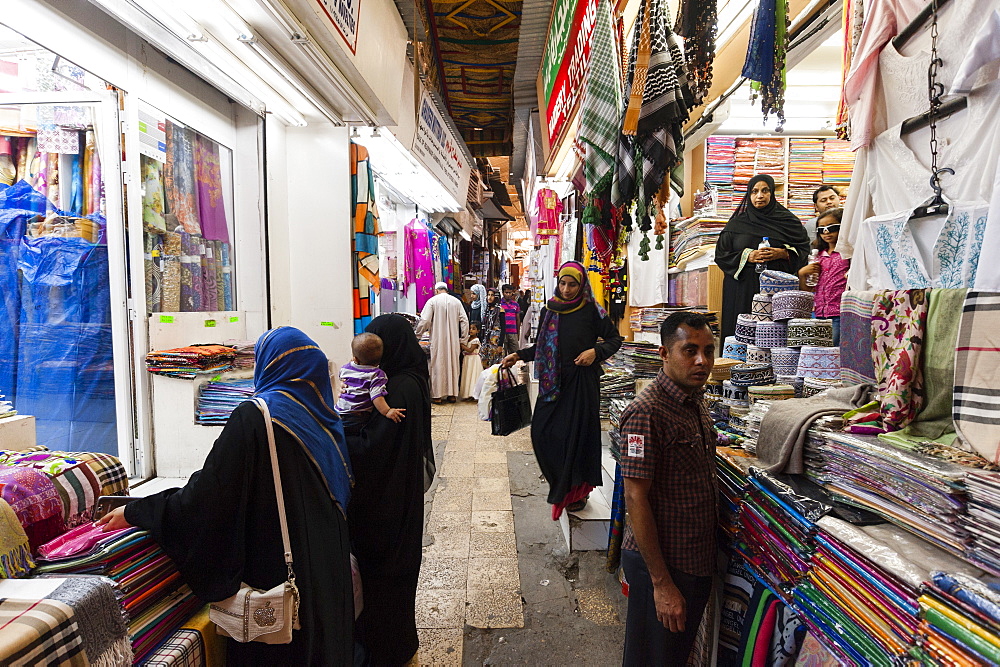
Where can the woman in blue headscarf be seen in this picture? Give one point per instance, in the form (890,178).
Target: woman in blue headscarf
(222,528)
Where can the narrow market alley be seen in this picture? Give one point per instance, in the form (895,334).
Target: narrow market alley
(498,585)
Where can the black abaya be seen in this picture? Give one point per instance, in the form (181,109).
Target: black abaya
(222,529)
(566,432)
(392,464)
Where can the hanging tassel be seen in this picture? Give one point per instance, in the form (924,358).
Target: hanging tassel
(659,241)
(630,125)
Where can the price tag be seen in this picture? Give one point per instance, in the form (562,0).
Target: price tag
(166,319)
(234,319)
(210,323)
(328,324)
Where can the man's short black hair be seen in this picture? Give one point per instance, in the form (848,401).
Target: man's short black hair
(821,189)
(668,329)
(507,288)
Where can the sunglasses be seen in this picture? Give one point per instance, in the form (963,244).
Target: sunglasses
(829,229)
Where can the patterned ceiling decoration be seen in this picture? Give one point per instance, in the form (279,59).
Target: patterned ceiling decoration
(475,43)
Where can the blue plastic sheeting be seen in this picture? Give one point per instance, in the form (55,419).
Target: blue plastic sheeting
(64,373)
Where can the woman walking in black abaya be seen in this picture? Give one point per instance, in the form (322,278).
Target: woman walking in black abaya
(393,466)
(758,215)
(575,336)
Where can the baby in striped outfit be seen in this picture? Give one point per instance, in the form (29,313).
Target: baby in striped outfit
(364,385)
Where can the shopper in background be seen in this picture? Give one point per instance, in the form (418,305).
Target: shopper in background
(478,304)
(575,336)
(393,466)
(492,337)
(472,367)
(831,268)
(523,301)
(444,318)
(758,215)
(825,198)
(668,468)
(222,528)
(512,318)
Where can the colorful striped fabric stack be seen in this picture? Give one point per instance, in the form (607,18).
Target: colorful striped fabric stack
(983,519)
(838,162)
(720,161)
(805,174)
(218,399)
(960,621)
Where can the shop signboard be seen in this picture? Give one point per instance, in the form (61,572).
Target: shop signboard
(565,62)
(440,151)
(344,14)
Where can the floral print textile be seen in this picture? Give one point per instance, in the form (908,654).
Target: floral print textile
(899,322)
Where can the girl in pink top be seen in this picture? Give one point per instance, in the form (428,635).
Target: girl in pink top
(832,270)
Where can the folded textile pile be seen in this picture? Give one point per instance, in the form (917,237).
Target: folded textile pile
(720,162)
(960,621)
(983,519)
(75,481)
(615,384)
(194,643)
(6,408)
(805,174)
(187,362)
(642,360)
(39,632)
(244,352)
(154,596)
(778,524)
(838,162)
(733,471)
(35,501)
(693,236)
(218,399)
(917,492)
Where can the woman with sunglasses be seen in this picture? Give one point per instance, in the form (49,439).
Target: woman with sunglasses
(831,268)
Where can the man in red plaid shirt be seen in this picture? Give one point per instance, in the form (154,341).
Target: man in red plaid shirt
(668,465)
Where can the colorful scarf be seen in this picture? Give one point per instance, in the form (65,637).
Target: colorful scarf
(856,365)
(765,62)
(364,244)
(15,553)
(100,618)
(547,366)
(697,23)
(602,105)
(977,358)
(899,322)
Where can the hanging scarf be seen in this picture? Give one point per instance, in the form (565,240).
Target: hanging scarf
(697,23)
(765,62)
(292,376)
(547,362)
(601,106)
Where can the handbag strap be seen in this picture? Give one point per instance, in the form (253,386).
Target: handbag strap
(507,376)
(277,486)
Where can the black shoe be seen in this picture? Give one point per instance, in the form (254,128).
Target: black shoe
(577,506)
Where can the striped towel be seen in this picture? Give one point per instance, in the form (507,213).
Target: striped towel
(108,469)
(856,366)
(976,408)
(78,489)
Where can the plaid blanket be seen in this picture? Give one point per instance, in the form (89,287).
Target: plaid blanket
(39,632)
(107,468)
(184,648)
(976,407)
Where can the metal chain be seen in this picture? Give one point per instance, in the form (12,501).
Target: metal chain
(934,92)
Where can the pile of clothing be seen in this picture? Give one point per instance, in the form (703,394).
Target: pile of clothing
(188,362)
(615,384)
(244,353)
(218,399)
(641,360)
(983,519)
(919,493)
(961,621)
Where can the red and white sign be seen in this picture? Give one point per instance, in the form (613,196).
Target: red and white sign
(569,83)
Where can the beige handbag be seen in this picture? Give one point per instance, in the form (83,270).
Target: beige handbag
(254,615)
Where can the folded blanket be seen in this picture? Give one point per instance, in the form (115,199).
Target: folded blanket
(783,429)
(39,632)
(100,618)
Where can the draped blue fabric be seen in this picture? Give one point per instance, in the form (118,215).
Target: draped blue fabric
(292,376)
(759,65)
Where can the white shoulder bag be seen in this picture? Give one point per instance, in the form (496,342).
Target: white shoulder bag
(254,615)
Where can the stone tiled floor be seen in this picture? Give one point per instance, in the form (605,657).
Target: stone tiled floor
(469,573)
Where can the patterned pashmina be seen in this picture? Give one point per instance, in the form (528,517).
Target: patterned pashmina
(100,618)
(179,177)
(856,364)
(976,408)
(35,500)
(697,23)
(899,322)
(15,553)
(39,632)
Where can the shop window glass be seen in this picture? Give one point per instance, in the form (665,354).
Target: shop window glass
(187,204)
(56,358)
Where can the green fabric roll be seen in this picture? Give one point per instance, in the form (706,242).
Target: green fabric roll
(944,313)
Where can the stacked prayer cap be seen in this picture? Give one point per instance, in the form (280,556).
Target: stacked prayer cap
(734,349)
(758,355)
(772,282)
(749,375)
(819,362)
(813,386)
(770,392)
(793,380)
(746,329)
(792,304)
(817,333)
(760,309)
(770,334)
(785,360)
(722,369)
(734,395)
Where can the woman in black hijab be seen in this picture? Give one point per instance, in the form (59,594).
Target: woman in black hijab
(758,215)
(393,465)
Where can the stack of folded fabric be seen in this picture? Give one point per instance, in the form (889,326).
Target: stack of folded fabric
(642,360)
(218,399)
(960,621)
(692,237)
(771,159)
(720,162)
(983,519)
(916,492)
(805,174)
(838,162)
(615,384)
(153,595)
(35,501)
(75,481)
(188,362)
(6,408)
(732,468)
(778,525)
(244,352)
